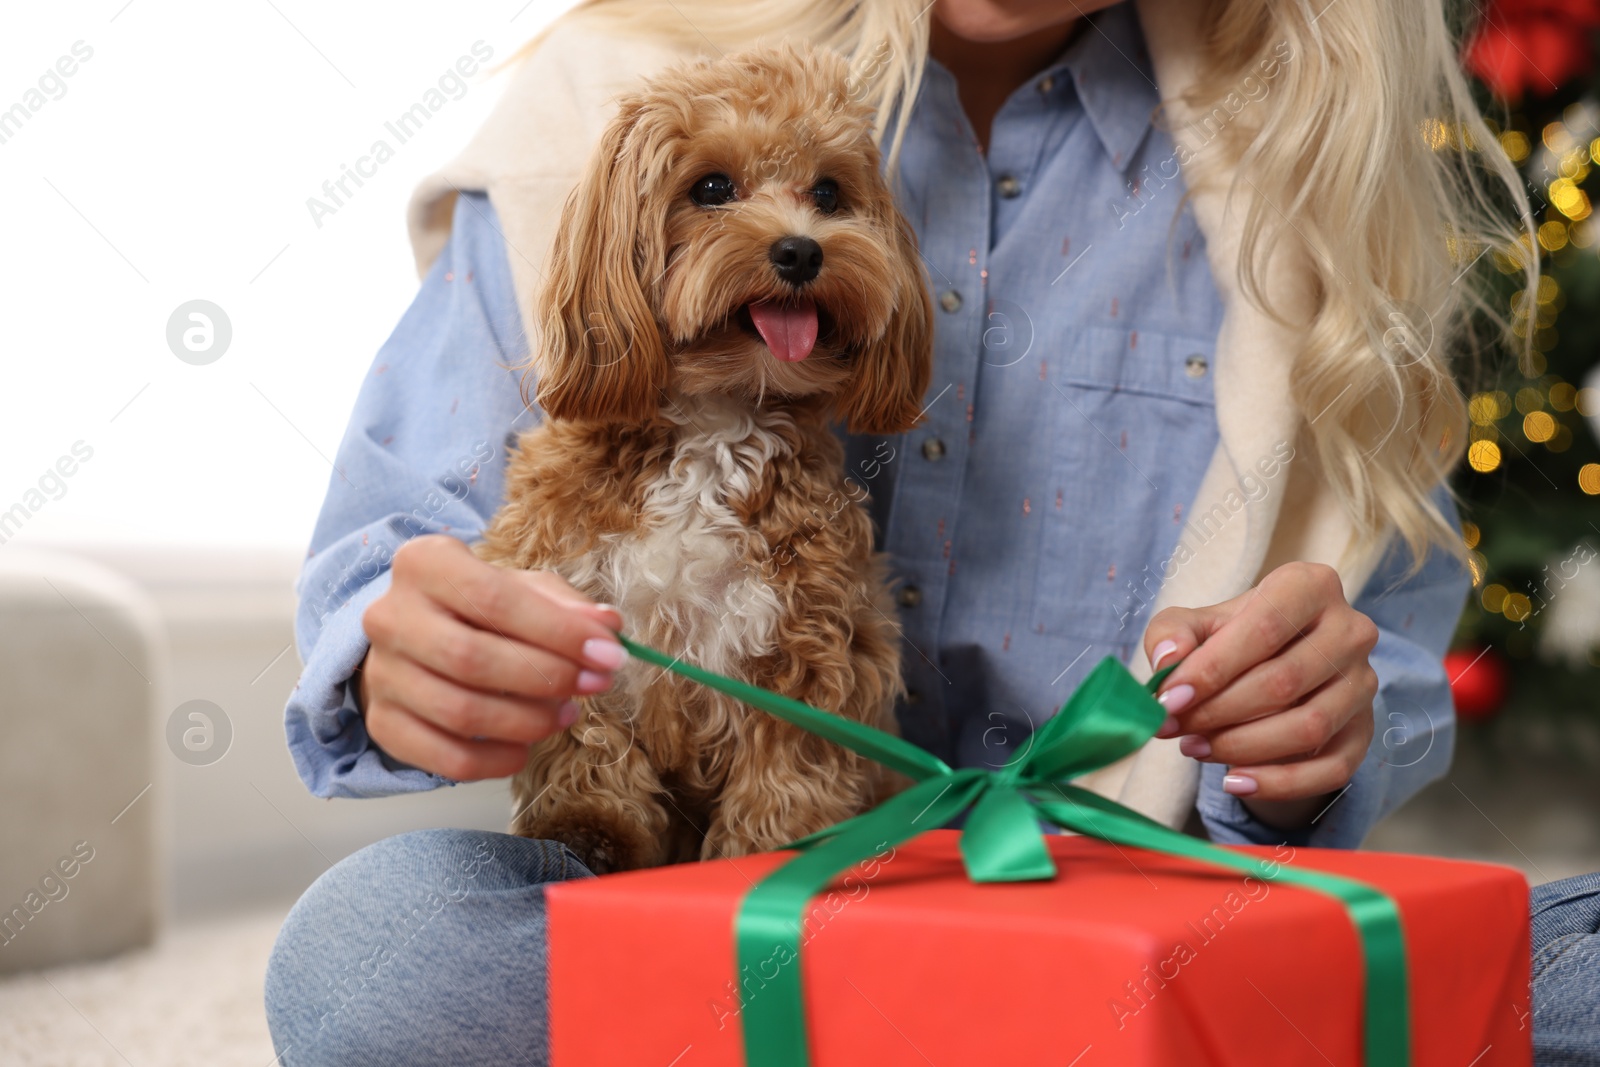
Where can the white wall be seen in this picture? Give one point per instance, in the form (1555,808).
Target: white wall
(176,165)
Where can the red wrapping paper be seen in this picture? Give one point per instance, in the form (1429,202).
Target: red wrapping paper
(1128,957)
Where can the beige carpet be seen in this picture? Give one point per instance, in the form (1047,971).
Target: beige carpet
(193,1000)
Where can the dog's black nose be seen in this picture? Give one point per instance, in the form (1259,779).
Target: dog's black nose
(798,259)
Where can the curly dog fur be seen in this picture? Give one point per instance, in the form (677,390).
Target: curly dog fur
(690,370)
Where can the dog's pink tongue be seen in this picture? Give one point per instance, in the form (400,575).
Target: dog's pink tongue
(790,330)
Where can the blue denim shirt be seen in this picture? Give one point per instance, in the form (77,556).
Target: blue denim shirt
(1067,428)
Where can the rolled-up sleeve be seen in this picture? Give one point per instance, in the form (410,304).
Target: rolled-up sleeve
(424,453)
(1414,734)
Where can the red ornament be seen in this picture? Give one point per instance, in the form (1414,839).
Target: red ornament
(1531,45)
(1479,681)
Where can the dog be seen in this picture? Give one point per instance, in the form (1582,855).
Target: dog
(729,279)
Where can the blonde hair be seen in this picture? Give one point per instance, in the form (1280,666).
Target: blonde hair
(1377,161)
(1372,157)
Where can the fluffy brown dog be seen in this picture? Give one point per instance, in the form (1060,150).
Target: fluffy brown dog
(729,277)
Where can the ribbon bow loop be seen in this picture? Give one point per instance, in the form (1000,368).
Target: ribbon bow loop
(1108,717)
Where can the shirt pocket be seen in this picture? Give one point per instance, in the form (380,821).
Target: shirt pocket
(1133,430)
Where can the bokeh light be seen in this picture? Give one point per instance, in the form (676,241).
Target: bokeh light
(1493,597)
(1483,456)
(1553,236)
(1538,426)
(1516,607)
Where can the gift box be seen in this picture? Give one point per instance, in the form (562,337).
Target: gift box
(1125,957)
(880,941)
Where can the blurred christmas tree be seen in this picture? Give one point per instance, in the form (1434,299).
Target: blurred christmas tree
(1530,638)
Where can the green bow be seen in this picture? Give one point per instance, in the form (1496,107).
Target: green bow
(1109,716)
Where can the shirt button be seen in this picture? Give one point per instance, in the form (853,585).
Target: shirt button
(1195,366)
(933,448)
(1009,186)
(950,300)
(908,596)
(1046,83)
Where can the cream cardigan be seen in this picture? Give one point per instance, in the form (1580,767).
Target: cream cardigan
(530,152)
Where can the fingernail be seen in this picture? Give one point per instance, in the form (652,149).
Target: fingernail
(1176,699)
(603,653)
(1161,652)
(567,713)
(1195,746)
(593,682)
(1240,785)
(1170,728)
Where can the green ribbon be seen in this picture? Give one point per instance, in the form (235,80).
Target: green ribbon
(1109,716)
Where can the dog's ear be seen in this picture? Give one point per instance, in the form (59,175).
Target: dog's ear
(600,351)
(884,396)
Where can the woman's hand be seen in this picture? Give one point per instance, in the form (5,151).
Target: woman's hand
(1280,690)
(471,663)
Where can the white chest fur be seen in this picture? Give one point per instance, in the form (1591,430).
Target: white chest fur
(690,574)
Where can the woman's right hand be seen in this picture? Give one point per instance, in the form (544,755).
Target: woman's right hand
(472,663)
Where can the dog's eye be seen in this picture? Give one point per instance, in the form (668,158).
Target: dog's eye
(826,195)
(712,190)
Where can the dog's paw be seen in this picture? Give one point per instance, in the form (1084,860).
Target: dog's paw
(601,852)
(603,844)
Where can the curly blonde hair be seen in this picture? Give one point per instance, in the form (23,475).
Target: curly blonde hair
(1372,155)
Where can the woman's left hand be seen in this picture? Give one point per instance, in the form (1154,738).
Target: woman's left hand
(1275,683)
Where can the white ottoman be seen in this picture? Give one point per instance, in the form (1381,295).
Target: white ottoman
(82,657)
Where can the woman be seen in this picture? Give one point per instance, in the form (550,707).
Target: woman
(1153,423)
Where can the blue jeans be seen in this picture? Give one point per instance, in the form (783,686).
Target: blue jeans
(1566,973)
(425,949)
(429,949)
